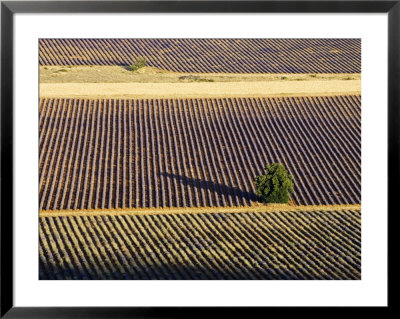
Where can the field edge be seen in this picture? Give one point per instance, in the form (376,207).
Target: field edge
(194,210)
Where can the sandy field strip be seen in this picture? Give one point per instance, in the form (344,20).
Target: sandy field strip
(195,210)
(197,90)
(118,74)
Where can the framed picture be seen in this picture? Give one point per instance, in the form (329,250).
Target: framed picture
(184,158)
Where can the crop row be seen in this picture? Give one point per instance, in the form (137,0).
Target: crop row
(210,55)
(282,245)
(196,152)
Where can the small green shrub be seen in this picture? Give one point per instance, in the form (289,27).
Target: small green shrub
(194,78)
(140,62)
(206,80)
(275,185)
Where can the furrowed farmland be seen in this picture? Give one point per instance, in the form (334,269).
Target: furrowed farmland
(210,55)
(114,153)
(274,245)
(199,159)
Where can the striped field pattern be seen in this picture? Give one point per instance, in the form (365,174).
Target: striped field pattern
(210,55)
(280,245)
(105,154)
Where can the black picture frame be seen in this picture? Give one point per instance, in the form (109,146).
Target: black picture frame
(9,8)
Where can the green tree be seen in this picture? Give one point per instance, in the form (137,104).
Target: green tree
(275,185)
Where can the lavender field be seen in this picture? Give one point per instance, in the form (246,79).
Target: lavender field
(210,55)
(104,154)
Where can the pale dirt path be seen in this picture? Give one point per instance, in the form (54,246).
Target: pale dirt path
(117,74)
(196,210)
(199,89)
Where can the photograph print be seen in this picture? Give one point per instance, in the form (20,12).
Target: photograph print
(199,159)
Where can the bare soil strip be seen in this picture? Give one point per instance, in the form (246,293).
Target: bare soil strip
(199,90)
(195,210)
(149,82)
(118,74)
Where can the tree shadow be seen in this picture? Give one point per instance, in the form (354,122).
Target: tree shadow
(126,67)
(218,188)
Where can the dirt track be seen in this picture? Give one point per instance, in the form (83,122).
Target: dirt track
(195,210)
(197,90)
